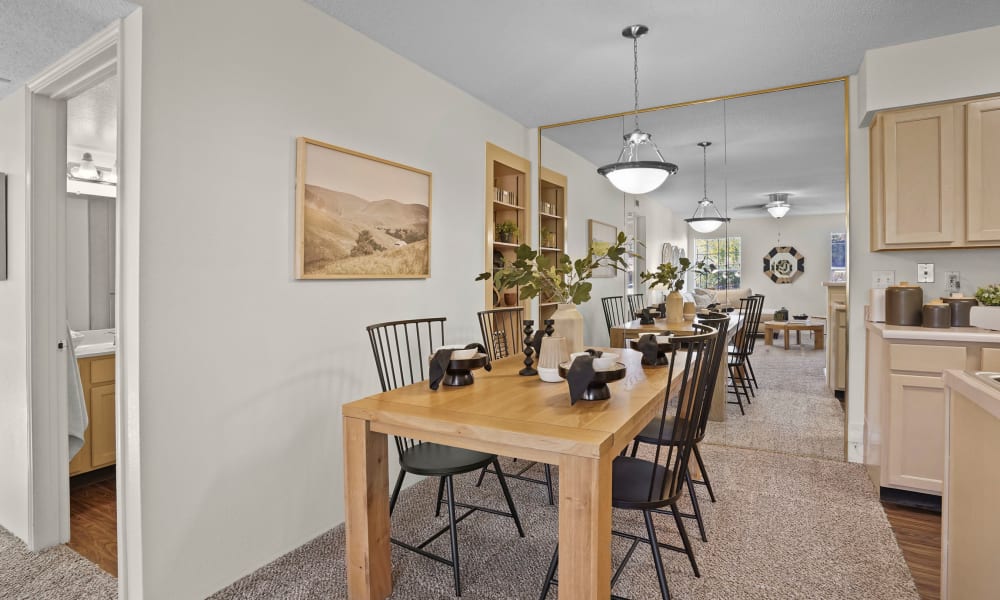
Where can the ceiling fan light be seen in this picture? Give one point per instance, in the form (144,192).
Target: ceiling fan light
(778,210)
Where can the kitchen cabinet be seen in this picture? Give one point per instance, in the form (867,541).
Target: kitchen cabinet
(932,181)
(97,375)
(836,347)
(905,406)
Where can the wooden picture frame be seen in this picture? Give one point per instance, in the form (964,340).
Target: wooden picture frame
(602,233)
(359,216)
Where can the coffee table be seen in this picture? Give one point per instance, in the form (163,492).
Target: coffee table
(798,327)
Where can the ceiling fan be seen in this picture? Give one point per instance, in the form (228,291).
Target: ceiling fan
(777,206)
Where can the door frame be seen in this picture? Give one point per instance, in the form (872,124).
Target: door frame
(115,50)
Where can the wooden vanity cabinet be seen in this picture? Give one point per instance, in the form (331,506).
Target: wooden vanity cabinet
(933,184)
(97,374)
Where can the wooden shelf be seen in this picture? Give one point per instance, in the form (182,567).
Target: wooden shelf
(548,303)
(547,215)
(545,249)
(502,205)
(506,244)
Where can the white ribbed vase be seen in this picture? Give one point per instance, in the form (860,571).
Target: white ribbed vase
(568,322)
(675,307)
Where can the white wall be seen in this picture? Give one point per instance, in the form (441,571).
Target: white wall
(14,444)
(810,235)
(953,66)
(243,369)
(662,226)
(77,262)
(933,70)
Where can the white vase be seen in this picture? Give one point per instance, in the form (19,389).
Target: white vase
(552,354)
(987,317)
(568,322)
(675,307)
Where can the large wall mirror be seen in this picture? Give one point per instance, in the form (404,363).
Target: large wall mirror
(787,141)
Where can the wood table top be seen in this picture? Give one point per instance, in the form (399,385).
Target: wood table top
(531,418)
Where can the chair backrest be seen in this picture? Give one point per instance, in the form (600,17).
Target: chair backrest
(686,409)
(759,310)
(744,337)
(614,311)
(720,322)
(636,302)
(502,329)
(402,349)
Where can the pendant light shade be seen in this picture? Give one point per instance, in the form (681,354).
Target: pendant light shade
(630,173)
(707,217)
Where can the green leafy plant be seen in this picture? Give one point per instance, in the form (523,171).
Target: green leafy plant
(989,295)
(565,280)
(506,230)
(671,276)
(543,236)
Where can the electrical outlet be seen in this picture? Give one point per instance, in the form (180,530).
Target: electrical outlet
(925,272)
(954,281)
(883,279)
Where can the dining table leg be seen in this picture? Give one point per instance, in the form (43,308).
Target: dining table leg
(585,527)
(366,489)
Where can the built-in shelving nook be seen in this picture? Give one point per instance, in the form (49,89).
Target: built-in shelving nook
(508,201)
(551,226)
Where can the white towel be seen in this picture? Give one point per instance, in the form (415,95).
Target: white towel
(77,412)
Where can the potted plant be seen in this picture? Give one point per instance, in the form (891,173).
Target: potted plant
(543,237)
(506,231)
(564,281)
(671,277)
(987,314)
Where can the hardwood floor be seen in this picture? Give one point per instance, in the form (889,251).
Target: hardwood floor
(919,535)
(93,518)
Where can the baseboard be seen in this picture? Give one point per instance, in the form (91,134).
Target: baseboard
(928,502)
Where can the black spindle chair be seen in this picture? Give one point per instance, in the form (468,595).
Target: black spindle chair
(657,484)
(753,337)
(636,302)
(615,311)
(503,336)
(740,350)
(720,322)
(402,350)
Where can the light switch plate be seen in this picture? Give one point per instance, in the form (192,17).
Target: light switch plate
(925,272)
(883,279)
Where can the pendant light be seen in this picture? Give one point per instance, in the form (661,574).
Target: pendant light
(630,173)
(707,217)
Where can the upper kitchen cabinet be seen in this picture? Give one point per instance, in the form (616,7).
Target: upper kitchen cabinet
(929,184)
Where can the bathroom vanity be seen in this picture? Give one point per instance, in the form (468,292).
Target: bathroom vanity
(96,359)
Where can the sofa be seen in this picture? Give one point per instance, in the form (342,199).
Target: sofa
(728,298)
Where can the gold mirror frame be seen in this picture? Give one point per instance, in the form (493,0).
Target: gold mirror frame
(845,80)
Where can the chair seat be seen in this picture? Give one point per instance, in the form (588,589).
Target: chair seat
(435,459)
(630,479)
(650,434)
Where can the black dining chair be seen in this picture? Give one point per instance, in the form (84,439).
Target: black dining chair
(503,336)
(759,310)
(739,376)
(615,311)
(719,322)
(657,484)
(636,302)
(401,350)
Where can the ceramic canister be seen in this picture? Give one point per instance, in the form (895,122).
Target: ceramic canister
(960,310)
(937,315)
(903,304)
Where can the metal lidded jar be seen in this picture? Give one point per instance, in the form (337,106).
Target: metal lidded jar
(904,304)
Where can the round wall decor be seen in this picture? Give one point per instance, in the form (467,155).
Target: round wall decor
(783,264)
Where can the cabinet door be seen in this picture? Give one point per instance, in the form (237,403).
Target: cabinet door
(982,151)
(915,449)
(102,425)
(920,175)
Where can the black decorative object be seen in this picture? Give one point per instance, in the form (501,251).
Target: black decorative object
(654,353)
(549,327)
(661,310)
(646,316)
(529,349)
(597,388)
(458,372)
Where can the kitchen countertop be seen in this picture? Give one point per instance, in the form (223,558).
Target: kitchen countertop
(949,334)
(975,389)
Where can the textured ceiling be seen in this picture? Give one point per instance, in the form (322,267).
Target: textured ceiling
(549,61)
(36,33)
(91,119)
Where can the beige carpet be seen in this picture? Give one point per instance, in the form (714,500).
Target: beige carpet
(52,574)
(793,413)
(784,527)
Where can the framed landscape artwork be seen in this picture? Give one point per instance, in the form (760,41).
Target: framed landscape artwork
(602,236)
(358,216)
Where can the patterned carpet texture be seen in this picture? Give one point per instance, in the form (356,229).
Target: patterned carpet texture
(53,574)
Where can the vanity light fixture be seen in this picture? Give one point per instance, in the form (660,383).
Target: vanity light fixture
(707,217)
(778,206)
(86,170)
(630,173)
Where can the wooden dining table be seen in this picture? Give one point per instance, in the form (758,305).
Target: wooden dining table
(510,415)
(620,334)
